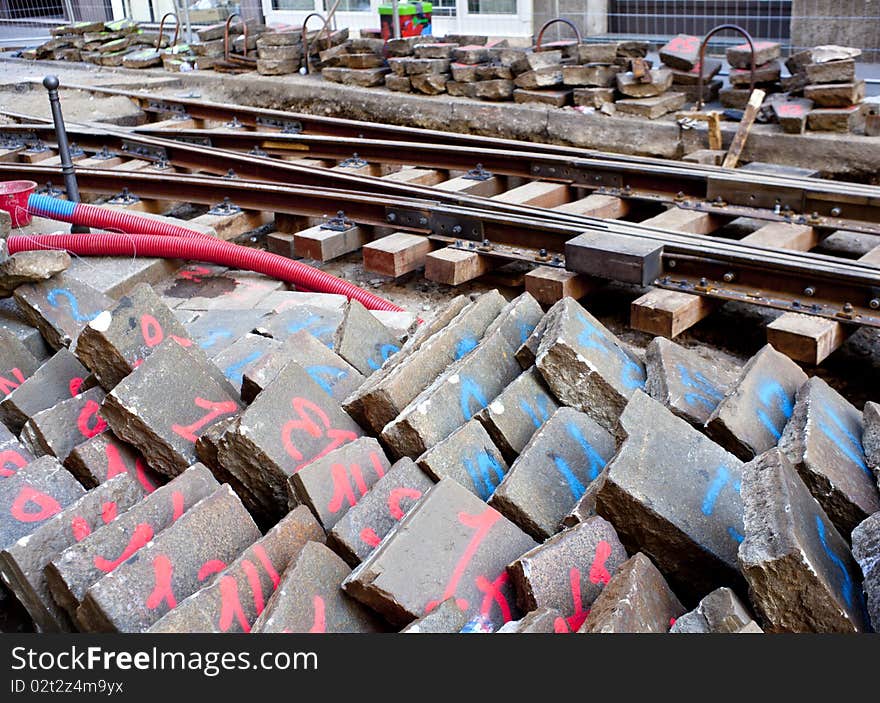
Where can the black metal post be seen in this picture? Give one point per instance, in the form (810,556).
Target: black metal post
(51,83)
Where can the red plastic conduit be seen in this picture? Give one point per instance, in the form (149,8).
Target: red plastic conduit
(200,248)
(121,221)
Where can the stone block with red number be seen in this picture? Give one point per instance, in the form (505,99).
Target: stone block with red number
(13,454)
(681,52)
(451,545)
(118,340)
(17,362)
(335,482)
(239,594)
(310,598)
(364,525)
(568,571)
(104,456)
(71,573)
(445,618)
(175,564)
(636,600)
(290,424)
(60,307)
(165,404)
(32,495)
(59,429)
(59,378)
(22,563)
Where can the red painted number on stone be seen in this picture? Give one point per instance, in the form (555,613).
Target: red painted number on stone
(494,595)
(116,466)
(320,623)
(7,385)
(80,528)
(598,572)
(396,496)
(75,385)
(369,536)
(151,331)
(230,606)
(31,505)
(343,491)
(211,567)
(574,621)
(683,44)
(230,603)
(312,422)
(10,458)
(89,423)
(482,525)
(142,534)
(193,274)
(215,410)
(789,110)
(163,570)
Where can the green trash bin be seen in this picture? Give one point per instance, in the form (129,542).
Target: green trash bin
(415,19)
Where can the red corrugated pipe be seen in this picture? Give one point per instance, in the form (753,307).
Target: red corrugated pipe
(200,248)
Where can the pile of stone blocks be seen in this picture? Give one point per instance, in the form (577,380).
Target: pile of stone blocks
(217,453)
(102,43)
(768,70)
(279,52)
(825,77)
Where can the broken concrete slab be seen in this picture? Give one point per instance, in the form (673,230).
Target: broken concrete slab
(362,340)
(22,563)
(321,322)
(597,53)
(366,523)
(568,572)
(165,404)
(822,440)
(590,75)
(290,424)
(740,56)
(30,267)
(719,612)
(836,94)
(554,98)
(60,307)
(540,78)
(410,573)
(468,385)
(541,620)
(59,429)
(688,384)
(329,370)
(467,456)
(792,113)
(72,572)
(586,366)
(104,456)
(13,322)
(237,597)
(514,416)
(871,437)
(310,599)
(801,575)
(61,377)
(651,108)
(710,69)
(551,475)
(674,494)
(866,550)
(34,494)
(841,71)
(636,600)
(751,418)
(839,119)
(244,355)
(213,331)
(764,73)
(335,482)
(659,81)
(118,340)
(171,567)
(429,83)
(500,89)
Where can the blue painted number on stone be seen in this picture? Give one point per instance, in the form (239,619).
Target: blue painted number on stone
(703,390)
(773,397)
(467,343)
(632,375)
(234,372)
(538,415)
(847,442)
(471,391)
(485,472)
(75,313)
(213,337)
(326,376)
(846,580)
(385,351)
(717,484)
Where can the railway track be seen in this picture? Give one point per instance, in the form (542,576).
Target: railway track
(524,203)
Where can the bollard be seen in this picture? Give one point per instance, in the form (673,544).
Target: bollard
(51,83)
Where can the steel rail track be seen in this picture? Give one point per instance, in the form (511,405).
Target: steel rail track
(844,291)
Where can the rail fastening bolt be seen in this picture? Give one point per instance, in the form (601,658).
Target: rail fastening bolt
(729,277)
(391,217)
(835,212)
(847,307)
(874,303)
(809,291)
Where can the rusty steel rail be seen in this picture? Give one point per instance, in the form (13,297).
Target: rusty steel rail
(844,291)
(825,205)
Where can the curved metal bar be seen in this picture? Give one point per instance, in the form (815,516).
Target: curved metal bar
(306,44)
(162,29)
(226,35)
(714,31)
(546,24)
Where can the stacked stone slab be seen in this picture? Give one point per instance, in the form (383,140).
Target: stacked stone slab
(279,52)
(768,70)
(359,62)
(826,75)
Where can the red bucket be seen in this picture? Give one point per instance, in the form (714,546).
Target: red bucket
(14,199)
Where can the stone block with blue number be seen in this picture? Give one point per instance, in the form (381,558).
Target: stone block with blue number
(823,440)
(586,366)
(244,355)
(673,494)
(553,472)
(362,340)
(751,418)
(801,574)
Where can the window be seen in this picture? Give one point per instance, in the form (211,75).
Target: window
(293,4)
(443,8)
(492,7)
(349,5)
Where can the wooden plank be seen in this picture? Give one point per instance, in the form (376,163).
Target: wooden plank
(92,162)
(417,176)
(806,338)
(872,257)
(668,313)
(10,155)
(597,205)
(461,184)
(397,254)
(326,244)
(231,226)
(132,165)
(365,170)
(188,123)
(691,221)
(455,266)
(549,284)
(745,126)
(37,157)
(784,235)
(280,243)
(300,161)
(536,194)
